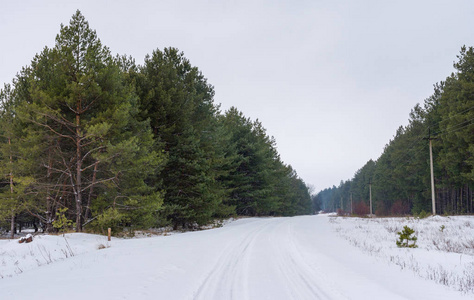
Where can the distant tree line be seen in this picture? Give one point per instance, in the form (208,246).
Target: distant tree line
(400,177)
(108,143)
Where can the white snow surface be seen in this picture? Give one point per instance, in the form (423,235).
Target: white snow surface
(308,257)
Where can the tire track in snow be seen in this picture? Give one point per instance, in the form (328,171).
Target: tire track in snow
(268,250)
(228,278)
(302,280)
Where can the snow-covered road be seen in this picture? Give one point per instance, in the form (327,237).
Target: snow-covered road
(257,258)
(264,262)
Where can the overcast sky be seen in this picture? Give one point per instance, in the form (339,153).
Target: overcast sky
(330,80)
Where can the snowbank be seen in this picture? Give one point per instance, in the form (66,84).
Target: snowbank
(16,258)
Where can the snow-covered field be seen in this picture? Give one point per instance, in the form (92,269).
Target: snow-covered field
(445,252)
(310,257)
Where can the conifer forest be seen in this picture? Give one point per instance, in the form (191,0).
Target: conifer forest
(91,140)
(399,180)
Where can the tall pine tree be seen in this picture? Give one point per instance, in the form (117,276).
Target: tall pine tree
(95,153)
(179,103)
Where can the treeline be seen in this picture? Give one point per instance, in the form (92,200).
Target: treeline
(103,142)
(400,177)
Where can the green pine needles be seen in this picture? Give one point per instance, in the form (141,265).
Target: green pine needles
(94,140)
(406,240)
(62,223)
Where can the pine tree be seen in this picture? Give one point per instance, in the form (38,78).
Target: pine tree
(259,182)
(179,103)
(10,179)
(79,108)
(405,238)
(455,105)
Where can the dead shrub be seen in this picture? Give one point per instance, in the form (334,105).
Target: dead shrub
(400,208)
(361,209)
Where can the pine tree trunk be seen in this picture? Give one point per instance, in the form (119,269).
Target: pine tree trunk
(78,187)
(49,206)
(12,222)
(12,225)
(466,195)
(470,199)
(89,200)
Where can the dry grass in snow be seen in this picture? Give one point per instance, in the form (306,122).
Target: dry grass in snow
(445,252)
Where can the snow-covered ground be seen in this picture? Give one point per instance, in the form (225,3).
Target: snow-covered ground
(310,257)
(445,252)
